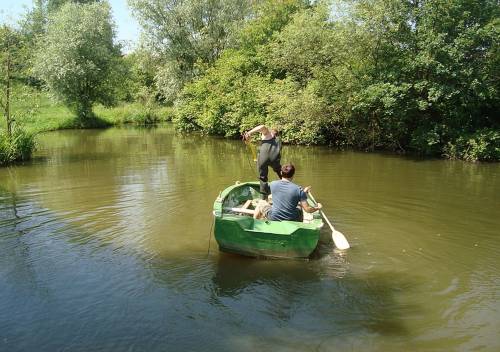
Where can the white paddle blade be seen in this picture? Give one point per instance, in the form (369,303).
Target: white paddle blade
(340,240)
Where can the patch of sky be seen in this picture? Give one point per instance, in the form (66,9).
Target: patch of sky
(127,28)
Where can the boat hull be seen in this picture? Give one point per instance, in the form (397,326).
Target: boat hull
(244,235)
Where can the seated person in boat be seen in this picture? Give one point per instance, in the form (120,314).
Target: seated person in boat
(288,199)
(269,155)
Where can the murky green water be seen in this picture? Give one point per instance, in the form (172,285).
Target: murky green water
(104,240)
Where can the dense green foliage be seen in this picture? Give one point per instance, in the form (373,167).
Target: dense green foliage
(55,5)
(184,33)
(405,75)
(66,46)
(35,20)
(372,74)
(77,55)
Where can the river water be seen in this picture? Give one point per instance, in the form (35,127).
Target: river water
(105,245)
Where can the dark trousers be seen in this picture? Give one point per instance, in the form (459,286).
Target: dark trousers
(269,156)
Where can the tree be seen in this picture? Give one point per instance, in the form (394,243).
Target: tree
(432,76)
(186,32)
(418,75)
(54,5)
(238,91)
(11,45)
(15,142)
(34,22)
(76,56)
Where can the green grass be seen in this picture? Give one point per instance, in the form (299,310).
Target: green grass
(133,113)
(36,112)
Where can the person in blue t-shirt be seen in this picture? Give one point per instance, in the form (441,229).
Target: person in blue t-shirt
(288,199)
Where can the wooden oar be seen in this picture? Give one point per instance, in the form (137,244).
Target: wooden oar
(241,210)
(337,236)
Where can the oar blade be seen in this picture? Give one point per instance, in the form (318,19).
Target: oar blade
(340,240)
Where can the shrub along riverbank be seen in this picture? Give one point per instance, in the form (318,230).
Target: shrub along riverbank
(412,77)
(16,147)
(40,114)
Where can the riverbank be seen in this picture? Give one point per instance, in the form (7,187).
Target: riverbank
(40,114)
(33,112)
(37,113)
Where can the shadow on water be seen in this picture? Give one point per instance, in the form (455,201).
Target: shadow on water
(335,301)
(233,274)
(70,146)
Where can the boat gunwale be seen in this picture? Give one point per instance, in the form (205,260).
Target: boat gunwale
(315,224)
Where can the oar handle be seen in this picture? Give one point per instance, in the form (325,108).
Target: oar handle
(322,212)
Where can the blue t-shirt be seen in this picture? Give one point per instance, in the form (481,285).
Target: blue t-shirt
(286,197)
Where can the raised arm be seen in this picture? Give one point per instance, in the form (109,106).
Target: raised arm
(261,128)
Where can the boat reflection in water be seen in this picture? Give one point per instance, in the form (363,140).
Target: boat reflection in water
(235,275)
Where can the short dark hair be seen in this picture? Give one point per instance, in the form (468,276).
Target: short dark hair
(288,170)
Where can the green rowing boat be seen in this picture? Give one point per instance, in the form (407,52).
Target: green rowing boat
(236,231)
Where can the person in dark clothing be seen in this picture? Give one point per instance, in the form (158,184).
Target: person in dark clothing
(288,199)
(269,155)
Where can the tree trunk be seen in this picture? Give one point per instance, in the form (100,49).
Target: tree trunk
(7,98)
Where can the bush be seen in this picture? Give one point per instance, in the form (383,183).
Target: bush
(19,147)
(376,74)
(483,145)
(299,114)
(427,140)
(134,113)
(225,100)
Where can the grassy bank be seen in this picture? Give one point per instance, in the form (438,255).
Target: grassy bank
(133,113)
(36,113)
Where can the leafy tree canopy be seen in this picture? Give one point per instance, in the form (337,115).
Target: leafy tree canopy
(373,74)
(77,55)
(184,33)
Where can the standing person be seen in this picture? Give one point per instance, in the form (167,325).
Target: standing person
(269,155)
(288,199)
